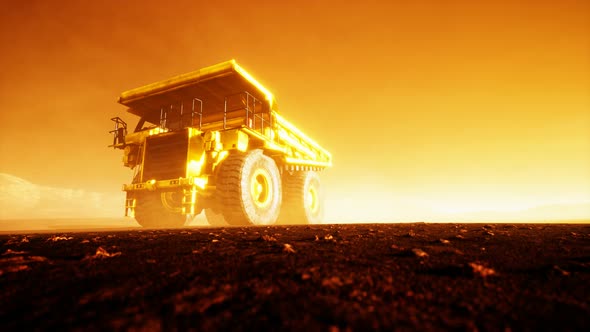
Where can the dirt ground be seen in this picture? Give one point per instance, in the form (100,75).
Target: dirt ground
(486,277)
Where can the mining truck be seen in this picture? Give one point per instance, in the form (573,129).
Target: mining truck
(212,140)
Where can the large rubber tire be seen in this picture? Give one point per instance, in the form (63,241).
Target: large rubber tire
(151,212)
(249,186)
(215,218)
(302,199)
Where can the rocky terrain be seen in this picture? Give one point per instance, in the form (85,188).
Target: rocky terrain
(321,277)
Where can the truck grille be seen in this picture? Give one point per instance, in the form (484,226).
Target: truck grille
(165,156)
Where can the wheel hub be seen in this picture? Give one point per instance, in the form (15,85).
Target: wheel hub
(171,201)
(312,200)
(260,188)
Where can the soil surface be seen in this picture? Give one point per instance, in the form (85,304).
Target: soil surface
(489,277)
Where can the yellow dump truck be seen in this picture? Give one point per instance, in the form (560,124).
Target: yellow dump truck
(212,140)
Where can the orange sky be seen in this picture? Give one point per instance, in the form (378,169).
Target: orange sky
(430,108)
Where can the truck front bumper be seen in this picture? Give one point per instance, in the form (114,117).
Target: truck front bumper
(200,183)
(189,187)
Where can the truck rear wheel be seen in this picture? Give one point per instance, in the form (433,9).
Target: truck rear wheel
(152,212)
(249,186)
(302,199)
(215,218)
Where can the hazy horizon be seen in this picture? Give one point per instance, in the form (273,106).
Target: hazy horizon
(50,203)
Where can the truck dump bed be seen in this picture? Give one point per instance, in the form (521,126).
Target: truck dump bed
(209,94)
(212,84)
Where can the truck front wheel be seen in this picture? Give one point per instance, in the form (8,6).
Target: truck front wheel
(249,186)
(302,198)
(151,210)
